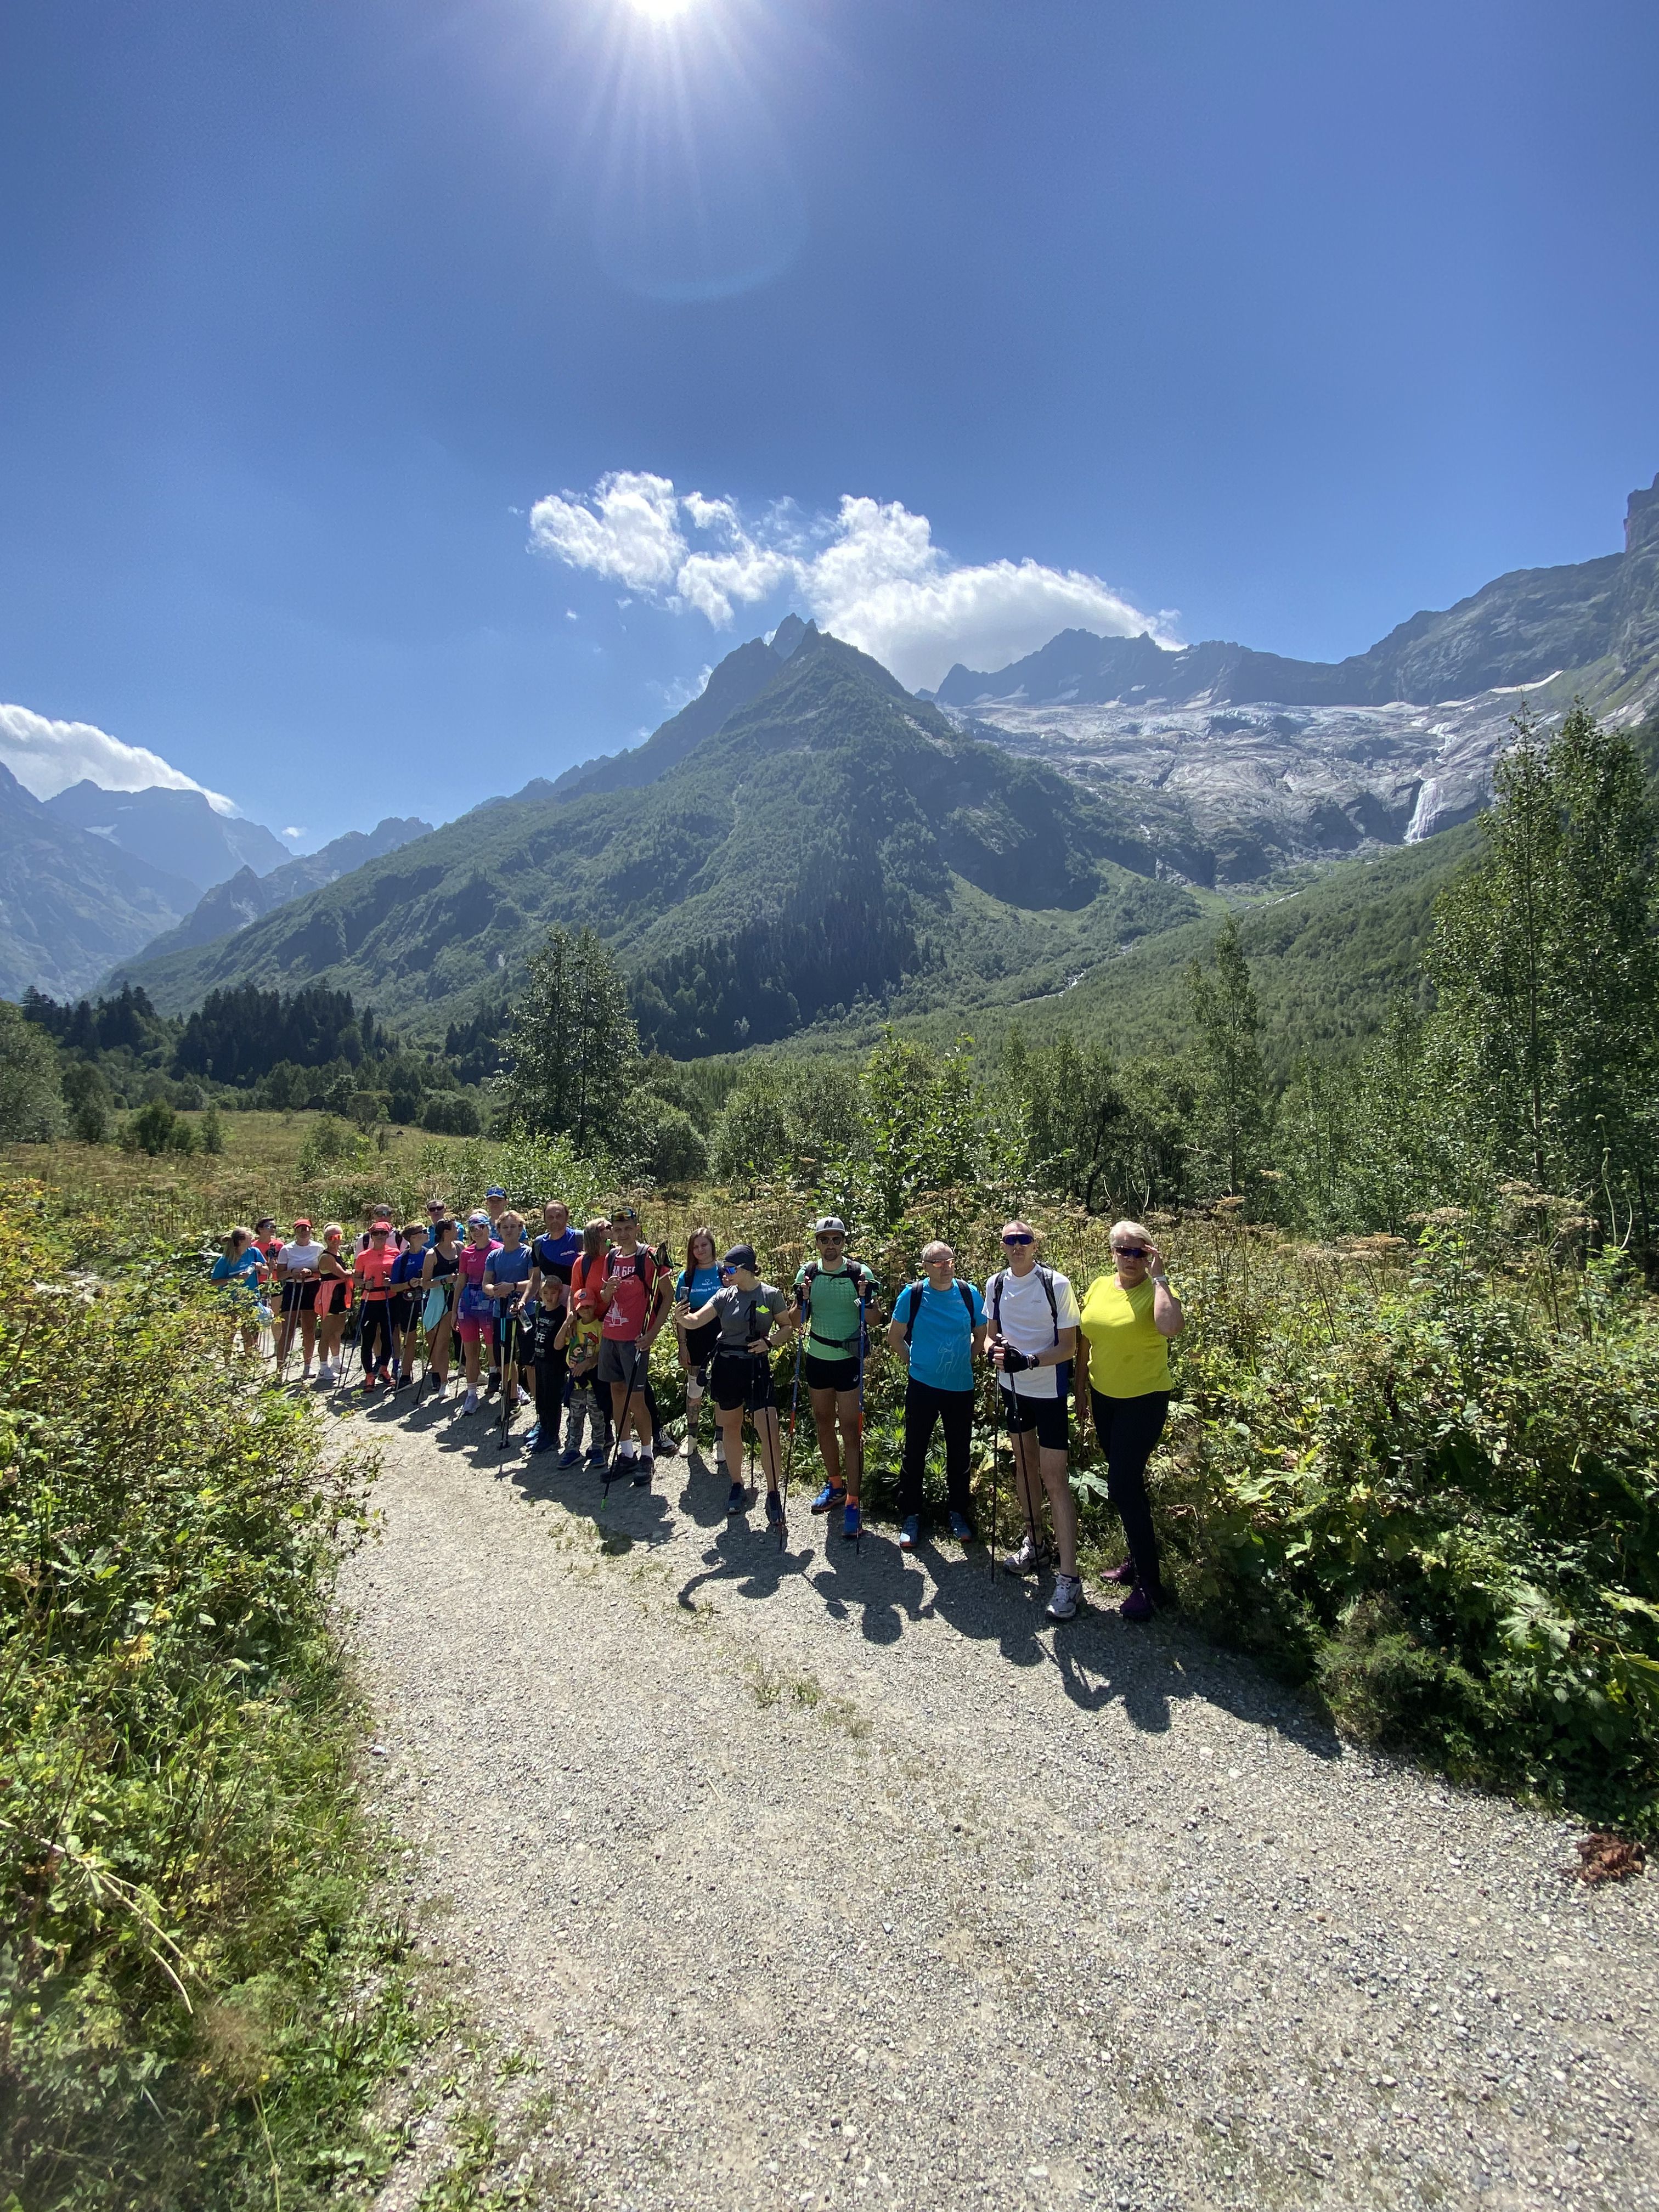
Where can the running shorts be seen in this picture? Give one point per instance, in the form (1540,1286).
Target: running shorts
(299,1298)
(741,1378)
(830,1374)
(625,1363)
(1046,1415)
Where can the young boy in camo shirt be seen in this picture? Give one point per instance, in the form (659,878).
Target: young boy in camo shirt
(578,1338)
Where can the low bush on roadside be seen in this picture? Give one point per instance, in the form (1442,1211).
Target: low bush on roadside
(195,2002)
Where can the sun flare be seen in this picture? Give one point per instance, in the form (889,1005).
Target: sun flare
(660,11)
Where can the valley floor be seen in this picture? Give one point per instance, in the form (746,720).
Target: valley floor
(832,1878)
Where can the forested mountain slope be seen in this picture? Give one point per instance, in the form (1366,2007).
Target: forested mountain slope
(832,837)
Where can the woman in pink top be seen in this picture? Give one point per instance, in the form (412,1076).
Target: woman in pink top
(474,1313)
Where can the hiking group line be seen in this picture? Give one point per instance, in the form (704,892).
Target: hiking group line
(569,1318)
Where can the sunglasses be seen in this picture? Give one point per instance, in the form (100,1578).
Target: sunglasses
(1024,1237)
(830,1237)
(1131,1251)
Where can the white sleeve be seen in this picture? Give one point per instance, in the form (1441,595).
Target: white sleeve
(1066,1312)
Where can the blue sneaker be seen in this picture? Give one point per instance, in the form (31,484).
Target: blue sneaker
(852,1524)
(910,1534)
(960,1526)
(597,1455)
(571,1458)
(774,1509)
(534,1436)
(737,1499)
(829,1497)
(536,1445)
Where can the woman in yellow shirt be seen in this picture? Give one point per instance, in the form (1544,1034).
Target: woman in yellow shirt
(1123,1379)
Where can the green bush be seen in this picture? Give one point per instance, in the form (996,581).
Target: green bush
(156,1129)
(196,2004)
(450,1114)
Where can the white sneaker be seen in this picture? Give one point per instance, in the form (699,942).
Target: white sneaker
(325,1375)
(1026,1560)
(1068,1595)
(471,1404)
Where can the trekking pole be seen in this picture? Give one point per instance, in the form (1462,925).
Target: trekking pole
(509,1345)
(996,1466)
(621,1426)
(858,1545)
(789,1456)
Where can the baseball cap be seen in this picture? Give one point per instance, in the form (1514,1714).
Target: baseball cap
(303,1222)
(266,1221)
(495,1191)
(742,1256)
(479,1219)
(831,1224)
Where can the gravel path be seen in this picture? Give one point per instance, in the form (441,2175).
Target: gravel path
(824,1877)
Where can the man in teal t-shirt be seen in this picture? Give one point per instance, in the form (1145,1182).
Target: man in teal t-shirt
(940,1324)
(835,1296)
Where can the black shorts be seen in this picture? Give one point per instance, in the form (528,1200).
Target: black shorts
(831,1374)
(1046,1415)
(741,1378)
(402,1307)
(700,1344)
(299,1298)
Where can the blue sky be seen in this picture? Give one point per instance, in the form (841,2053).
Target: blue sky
(322,323)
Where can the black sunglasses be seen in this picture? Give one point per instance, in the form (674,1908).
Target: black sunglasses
(1131,1251)
(1023,1237)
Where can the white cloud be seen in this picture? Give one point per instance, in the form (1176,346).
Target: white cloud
(47,756)
(293,836)
(871,573)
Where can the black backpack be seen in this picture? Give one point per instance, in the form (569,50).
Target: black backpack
(916,1290)
(1046,1277)
(867,1281)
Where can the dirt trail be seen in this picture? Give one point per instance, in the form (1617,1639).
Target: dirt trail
(827,1877)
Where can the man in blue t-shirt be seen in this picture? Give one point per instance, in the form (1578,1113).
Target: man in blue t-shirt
(940,1325)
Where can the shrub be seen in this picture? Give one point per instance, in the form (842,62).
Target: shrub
(195,2000)
(31,1097)
(450,1114)
(156,1129)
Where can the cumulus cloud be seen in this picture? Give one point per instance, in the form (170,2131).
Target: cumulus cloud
(47,756)
(871,573)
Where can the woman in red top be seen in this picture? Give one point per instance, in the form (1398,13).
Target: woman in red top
(374,1278)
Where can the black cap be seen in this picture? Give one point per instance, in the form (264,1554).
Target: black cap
(742,1255)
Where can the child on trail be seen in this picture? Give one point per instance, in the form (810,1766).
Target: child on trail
(241,1268)
(542,1326)
(506,1275)
(406,1270)
(696,1283)
(578,1339)
(373,1284)
(835,1299)
(744,1312)
(474,1312)
(439,1271)
(333,1302)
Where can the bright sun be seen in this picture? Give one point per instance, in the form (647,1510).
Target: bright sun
(660,11)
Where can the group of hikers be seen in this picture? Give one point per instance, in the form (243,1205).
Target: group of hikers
(568,1318)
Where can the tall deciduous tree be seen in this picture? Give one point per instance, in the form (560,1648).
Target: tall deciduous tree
(572,1051)
(1546,967)
(1232,1119)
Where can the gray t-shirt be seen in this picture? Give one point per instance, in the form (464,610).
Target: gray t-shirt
(744,1314)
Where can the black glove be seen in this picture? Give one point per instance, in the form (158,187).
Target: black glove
(1015,1363)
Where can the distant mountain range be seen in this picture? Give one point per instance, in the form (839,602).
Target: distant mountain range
(806,838)
(177,831)
(244,896)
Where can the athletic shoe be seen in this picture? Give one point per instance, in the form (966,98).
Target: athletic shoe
(910,1534)
(829,1497)
(960,1526)
(664,1447)
(597,1455)
(325,1376)
(367,1384)
(852,1524)
(1026,1560)
(643,1470)
(571,1458)
(1125,1574)
(737,1499)
(470,1405)
(774,1509)
(1137,1607)
(1068,1595)
(535,1447)
(531,1434)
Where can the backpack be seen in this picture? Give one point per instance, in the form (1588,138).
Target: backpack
(916,1289)
(1046,1277)
(648,1268)
(867,1283)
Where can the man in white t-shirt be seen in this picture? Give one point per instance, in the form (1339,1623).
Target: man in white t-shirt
(1033,1322)
(295,1270)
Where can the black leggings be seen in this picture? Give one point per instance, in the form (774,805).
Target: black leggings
(375,1325)
(923,1405)
(1128,1430)
(550,1388)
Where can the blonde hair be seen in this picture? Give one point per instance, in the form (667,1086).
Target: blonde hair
(502,1218)
(1136,1228)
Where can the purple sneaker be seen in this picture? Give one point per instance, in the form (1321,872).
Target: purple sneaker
(1125,1574)
(1137,1607)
